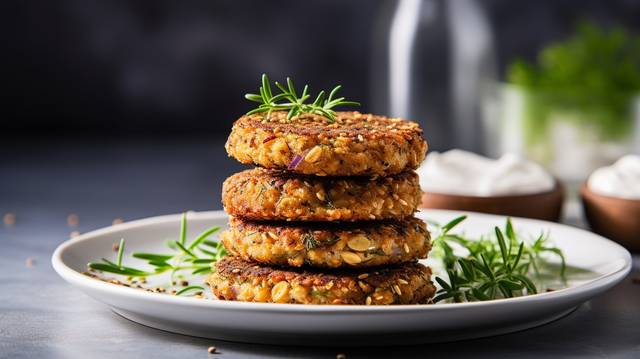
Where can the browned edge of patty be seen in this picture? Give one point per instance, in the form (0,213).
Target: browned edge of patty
(244,270)
(262,194)
(235,279)
(328,244)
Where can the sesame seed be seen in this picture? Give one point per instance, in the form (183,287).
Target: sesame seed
(9,219)
(397,289)
(341,356)
(330,285)
(368,301)
(313,155)
(402,281)
(73,220)
(30,262)
(211,350)
(406,248)
(363,275)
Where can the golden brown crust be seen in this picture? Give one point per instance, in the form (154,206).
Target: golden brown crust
(262,194)
(328,245)
(355,145)
(235,279)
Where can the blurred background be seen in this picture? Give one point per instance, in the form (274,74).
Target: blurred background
(126,105)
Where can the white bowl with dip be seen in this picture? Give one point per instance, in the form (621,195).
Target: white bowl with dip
(611,199)
(510,185)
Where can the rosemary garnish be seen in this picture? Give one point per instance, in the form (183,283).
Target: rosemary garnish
(189,288)
(196,256)
(499,266)
(288,100)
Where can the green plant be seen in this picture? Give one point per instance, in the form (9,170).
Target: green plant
(492,267)
(288,100)
(593,75)
(196,257)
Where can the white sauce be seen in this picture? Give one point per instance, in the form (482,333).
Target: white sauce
(622,179)
(465,173)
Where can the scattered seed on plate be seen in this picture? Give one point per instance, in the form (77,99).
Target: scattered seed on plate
(30,262)
(211,350)
(9,219)
(117,221)
(73,220)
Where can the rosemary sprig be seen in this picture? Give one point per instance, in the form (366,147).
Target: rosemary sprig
(189,289)
(495,266)
(196,256)
(288,100)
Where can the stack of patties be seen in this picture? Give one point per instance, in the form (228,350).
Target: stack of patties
(327,218)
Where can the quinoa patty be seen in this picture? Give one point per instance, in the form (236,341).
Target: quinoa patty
(354,145)
(328,245)
(235,279)
(262,194)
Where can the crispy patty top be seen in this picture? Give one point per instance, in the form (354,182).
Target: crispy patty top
(262,194)
(355,144)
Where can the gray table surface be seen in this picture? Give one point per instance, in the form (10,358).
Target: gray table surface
(42,316)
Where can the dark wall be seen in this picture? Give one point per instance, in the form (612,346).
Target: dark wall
(146,67)
(108,66)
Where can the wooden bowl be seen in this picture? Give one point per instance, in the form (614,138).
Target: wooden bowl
(614,218)
(546,205)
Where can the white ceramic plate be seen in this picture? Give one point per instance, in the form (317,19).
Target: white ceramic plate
(606,261)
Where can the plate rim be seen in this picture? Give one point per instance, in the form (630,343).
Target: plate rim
(78,279)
